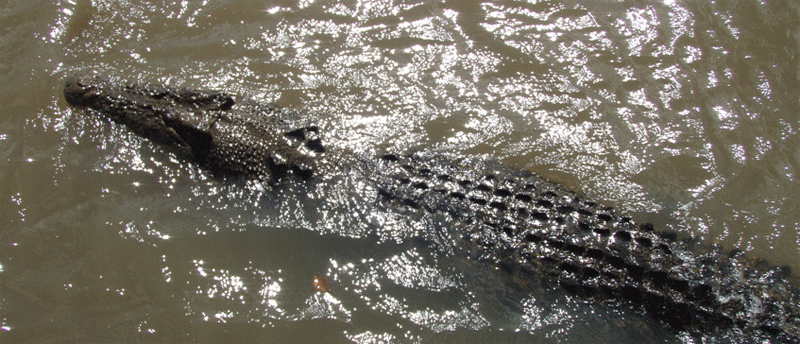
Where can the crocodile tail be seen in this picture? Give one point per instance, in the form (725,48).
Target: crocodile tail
(540,227)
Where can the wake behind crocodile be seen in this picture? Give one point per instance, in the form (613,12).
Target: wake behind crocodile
(526,226)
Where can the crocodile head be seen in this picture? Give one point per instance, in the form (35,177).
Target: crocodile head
(226,136)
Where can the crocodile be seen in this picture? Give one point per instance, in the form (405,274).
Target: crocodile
(533,228)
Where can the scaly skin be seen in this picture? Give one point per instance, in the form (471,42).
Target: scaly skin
(229,138)
(532,226)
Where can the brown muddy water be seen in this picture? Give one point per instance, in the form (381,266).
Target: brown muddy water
(679,113)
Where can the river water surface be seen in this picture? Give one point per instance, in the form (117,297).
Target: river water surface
(679,113)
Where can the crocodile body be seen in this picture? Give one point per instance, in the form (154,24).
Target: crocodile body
(528,225)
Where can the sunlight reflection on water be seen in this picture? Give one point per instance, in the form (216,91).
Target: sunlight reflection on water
(679,113)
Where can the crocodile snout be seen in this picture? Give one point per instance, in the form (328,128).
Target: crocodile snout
(78,89)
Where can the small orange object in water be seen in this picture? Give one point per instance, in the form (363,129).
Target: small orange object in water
(321,283)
